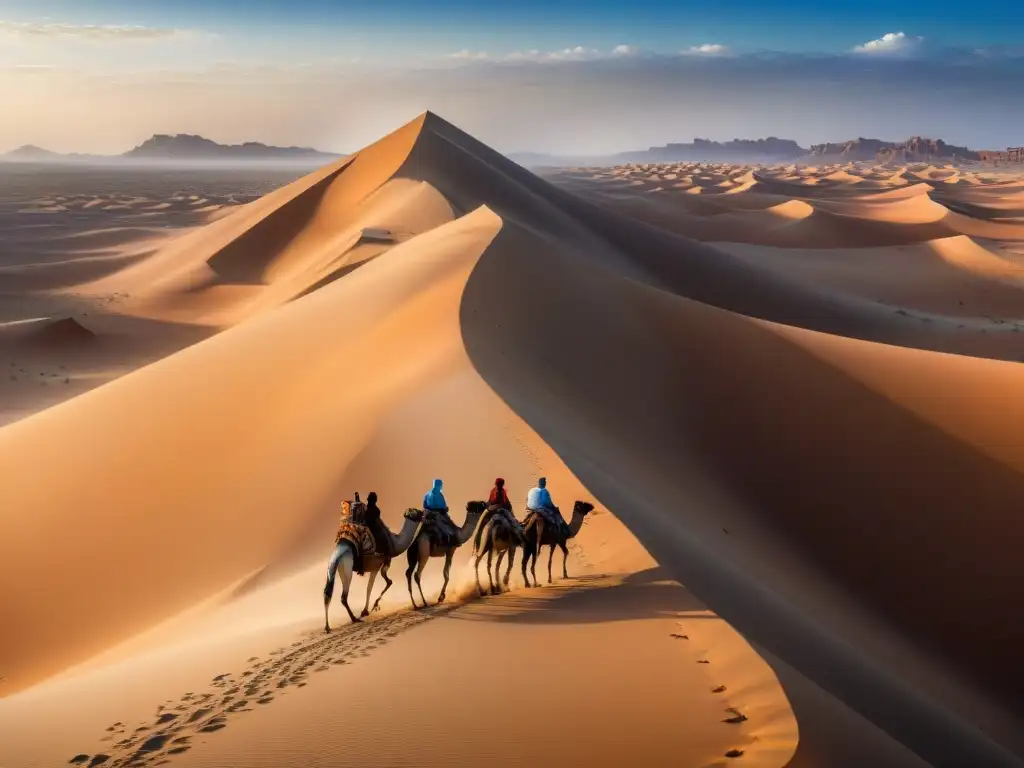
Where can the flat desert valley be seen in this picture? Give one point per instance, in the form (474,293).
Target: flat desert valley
(792,393)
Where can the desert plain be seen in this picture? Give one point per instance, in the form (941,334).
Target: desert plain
(791,393)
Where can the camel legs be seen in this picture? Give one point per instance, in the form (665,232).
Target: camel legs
(387,585)
(551,556)
(419,554)
(345,565)
(533,563)
(527,553)
(449,553)
(419,574)
(341,560)
(369,589)
(497,573)
(490,578)
(476,565)
(565,556)
(413,557)
(511,560)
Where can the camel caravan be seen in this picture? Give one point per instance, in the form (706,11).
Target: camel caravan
(363,544)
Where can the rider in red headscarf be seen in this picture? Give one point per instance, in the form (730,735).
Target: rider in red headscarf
(499,497)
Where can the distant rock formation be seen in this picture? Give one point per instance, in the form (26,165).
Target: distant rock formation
(771,149)
(913,150)
(188,147)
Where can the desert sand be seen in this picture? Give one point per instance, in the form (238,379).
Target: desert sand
(801,437)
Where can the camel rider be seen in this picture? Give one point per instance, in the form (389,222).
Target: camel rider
(498,502)
(381,535)
(499,496)
(357,509)
(435,505)
(539,501)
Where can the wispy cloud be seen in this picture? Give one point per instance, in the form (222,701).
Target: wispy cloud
(467,55)
(99,32)
(575,53)
(890,43)
(707,49)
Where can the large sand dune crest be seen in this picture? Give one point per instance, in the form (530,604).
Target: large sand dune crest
(842,502)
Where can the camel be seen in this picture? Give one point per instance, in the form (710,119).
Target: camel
(548,536)
(422,550)
(496,534)
(343,559)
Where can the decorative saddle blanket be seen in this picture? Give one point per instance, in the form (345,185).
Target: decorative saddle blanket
(358,535)
(352,530)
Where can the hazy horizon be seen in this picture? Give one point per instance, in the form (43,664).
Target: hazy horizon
(101,76)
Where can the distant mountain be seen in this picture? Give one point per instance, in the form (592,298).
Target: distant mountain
(187,147)
(770,150)
(916,149)
(181,148)
(30,153)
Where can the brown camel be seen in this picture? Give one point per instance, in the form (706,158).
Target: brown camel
(496,533)
(344,556)
(540,535)
(423,549)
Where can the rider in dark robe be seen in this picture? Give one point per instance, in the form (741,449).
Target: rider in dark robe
(381,535)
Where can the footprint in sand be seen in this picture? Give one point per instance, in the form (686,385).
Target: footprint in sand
(203,713)
(719,689)
(703,661)
(734,753)
(735,716)
(214,724)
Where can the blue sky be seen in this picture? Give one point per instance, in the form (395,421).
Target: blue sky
(545,75)
(500,25)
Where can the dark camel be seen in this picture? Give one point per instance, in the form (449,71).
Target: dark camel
(423,549)
(496,534)
(540,535)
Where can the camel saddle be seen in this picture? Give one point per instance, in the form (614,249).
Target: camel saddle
(440,529)
(352,530)
(551,520)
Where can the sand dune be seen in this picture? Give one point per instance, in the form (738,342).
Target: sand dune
(845,504)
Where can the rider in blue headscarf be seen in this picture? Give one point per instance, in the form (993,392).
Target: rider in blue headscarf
(434,499)
(437,508)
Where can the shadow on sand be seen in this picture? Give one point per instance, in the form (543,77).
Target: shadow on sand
(648,594)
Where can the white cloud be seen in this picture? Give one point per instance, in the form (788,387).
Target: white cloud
(468,55)
(575,53)
(105,32)
(707,49)
(891,42)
